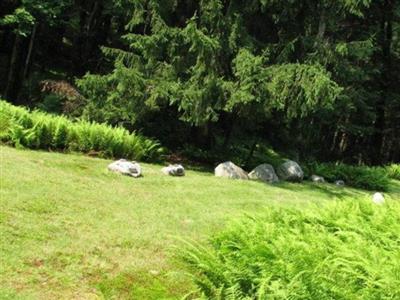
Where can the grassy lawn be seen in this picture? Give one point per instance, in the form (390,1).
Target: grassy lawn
(72,230)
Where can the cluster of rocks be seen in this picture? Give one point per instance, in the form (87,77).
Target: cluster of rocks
(288,171)
(133,169)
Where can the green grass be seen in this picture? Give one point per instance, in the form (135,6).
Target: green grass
(72,230)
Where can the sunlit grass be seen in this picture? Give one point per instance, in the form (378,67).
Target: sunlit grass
(71,229)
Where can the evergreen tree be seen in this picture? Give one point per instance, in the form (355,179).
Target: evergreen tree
(225,72)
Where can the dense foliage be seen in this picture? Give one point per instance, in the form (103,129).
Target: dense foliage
(318,79)
(38,130)
(346,250)
(393,171)
(369,178)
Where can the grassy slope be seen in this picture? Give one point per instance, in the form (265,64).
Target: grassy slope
(71,229)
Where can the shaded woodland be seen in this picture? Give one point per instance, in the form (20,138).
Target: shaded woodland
(314,80)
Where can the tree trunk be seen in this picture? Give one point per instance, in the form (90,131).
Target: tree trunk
(79,42)
(229,125)
(251,153)
(321,26)
(11,90)
(385,44)
(90,42)
(203,136)
(29,55)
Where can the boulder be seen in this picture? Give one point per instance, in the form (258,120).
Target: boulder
(339,182)
(317,179)
(378,198)
(264,172)
(126,168)
(290,171)
(174,170)
(230,170)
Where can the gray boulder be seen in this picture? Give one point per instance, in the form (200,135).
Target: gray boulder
(317,179)
(174,170)
(230,170)
(264,172)
(339,183)
(290,171)
(126,168)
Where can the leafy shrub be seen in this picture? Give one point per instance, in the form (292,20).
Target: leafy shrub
(51,103)
(393,171)
(369,178)
(38,130)
(347,250)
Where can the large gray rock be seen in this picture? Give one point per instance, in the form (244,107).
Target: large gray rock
(230,170)
(290,171)
(174,170)
(317,179)
(264,172)
(126,168)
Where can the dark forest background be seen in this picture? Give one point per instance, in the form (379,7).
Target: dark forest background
(312,80)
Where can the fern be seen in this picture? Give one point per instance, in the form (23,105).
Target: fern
(38,130)
(345,250)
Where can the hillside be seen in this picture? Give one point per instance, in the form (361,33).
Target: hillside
(71,229)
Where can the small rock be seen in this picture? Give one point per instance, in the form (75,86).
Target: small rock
(264,172)
(126,168)
(290,171)
(174,170)
(230,170)
(339,182)
(317,179)
(378,198)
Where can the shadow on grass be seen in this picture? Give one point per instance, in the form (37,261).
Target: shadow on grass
(394,188)
(328,189)
(209,169)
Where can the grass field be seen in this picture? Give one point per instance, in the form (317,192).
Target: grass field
(72,230)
